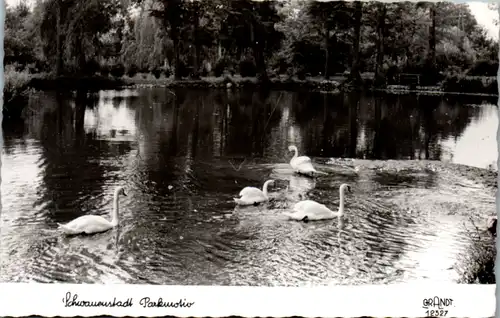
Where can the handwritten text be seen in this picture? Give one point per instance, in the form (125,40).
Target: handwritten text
(146,302)
(75,302)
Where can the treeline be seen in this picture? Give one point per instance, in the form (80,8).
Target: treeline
(263,39)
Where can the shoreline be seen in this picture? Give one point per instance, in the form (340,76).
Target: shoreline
(335,84)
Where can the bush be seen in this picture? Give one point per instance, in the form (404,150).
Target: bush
(16,87)
(91,67)
(104,70)
(219,68)
(132,70)
(484,68)
(167,72)
(184,69)
(469,84)
(204,71)
(15,83)
(478,262)
(117,70)
(301,73)
(156,72)
(248,68)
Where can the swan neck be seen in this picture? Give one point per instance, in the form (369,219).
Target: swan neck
(114,215)
(341,205)
(264,188)
(295,152)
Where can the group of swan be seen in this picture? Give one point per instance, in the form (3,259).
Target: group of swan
(306,210)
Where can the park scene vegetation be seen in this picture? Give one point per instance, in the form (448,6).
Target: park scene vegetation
(363,44)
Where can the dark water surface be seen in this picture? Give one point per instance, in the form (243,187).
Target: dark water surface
(183,156)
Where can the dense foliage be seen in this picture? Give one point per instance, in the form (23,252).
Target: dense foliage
(192,38)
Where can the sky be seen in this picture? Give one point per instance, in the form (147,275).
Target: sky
(485,17)
(480,10)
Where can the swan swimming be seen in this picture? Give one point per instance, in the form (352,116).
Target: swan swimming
(309,210)
(90,224)
(492,225)
(302,164)
(252,195)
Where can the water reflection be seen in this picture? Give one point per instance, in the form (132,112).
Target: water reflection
(183,155)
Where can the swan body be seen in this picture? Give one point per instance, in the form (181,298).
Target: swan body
(301,164)
(252,195)
(309,210)
(90,224)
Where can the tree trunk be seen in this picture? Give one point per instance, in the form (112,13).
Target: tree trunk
(355,74)
(258,52)
(177,58)
(196,54)
(379,76)
(430,73)
(432,36)
(59,57)
(82,60)
(327,53)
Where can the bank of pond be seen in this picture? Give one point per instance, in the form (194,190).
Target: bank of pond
(18,85)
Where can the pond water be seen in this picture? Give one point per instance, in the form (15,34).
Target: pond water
(183,155)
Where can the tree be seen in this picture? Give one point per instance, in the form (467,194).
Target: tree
(251,24)
(355,68)
(379,76)
(172,14)
(76,26)
(17,45)
(330,19)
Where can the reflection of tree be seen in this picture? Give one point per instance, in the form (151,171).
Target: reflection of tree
(403,126)
(353,102)
(392,127)
(252,116)
(376,146)
(326,123)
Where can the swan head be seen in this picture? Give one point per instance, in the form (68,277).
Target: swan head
(292,148)
(345,187)
(120,191)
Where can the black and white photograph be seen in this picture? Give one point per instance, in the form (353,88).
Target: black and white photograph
(259,143)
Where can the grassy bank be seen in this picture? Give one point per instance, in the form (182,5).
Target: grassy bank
(470,84)
(455,84)
(17,81)
(225,82)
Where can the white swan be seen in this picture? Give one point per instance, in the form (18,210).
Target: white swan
(252,195)
(309,210)
(492,225)
(90,224)
(301,164)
